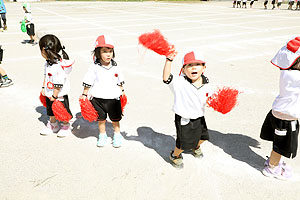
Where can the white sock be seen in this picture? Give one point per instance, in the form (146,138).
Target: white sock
(102,133)
(54,124)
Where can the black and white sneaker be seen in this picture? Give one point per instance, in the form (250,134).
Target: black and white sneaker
(6,83)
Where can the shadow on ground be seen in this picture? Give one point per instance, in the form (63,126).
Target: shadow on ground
(238,147)
(159,142)
(44,117)
(82,128)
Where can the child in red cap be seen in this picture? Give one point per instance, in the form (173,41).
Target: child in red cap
(281,125)
(191,90)
(104,81)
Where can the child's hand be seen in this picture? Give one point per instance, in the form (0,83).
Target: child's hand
(43,91)
(172,53)
(52,99)
(83,97)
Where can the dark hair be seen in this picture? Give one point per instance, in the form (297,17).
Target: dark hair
(52,47)
(96,54)
(296,64)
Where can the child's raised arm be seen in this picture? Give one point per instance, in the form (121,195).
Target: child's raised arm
(167,70)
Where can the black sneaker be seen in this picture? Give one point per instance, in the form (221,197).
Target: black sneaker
(6,83)
(176,161)
(197,153)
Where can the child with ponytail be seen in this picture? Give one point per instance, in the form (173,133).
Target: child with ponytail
(56,85)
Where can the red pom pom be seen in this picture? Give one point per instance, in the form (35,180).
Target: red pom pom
(223,100)
(156,42)
(88,111)
(123,99)
(43,100)
(60,112)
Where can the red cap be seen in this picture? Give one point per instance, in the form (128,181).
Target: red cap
(288,54)
(193,57)
(104,41)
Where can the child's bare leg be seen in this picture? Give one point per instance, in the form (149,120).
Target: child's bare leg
(199,143)
(101,125)
(52,119)
(2,72)
(274,158)
(116,126)
(177,152)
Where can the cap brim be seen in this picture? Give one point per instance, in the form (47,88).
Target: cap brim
(105,45)
(285,58)
(193,61)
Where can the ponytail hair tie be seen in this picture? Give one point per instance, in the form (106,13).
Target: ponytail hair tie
(63,47)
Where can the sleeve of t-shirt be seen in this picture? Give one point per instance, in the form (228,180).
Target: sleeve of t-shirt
(89,77)
(121,80)
(45,68)
(174,82)
(58,76)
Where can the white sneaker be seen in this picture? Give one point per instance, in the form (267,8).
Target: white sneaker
(50,128)
(64,131)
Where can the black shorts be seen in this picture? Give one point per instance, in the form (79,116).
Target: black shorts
(273,2)
(283,133)
(188,136)
(30,29)
(265,3)
(279,4)
(112,107)
(65,102)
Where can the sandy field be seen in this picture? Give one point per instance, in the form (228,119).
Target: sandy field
(238,45)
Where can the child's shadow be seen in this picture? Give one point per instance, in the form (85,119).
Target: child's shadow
(83,128)
(238,147)
(159,142)
(44,117)
(25,41)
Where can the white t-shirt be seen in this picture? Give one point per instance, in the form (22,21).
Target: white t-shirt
(104,81)
(288,100)
(29,18)
(56,76)
(189,101)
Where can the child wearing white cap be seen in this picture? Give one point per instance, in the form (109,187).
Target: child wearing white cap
(191,90)
(281,125)
(29,22)
(104,82)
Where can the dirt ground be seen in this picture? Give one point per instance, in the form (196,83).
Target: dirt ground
(238,45)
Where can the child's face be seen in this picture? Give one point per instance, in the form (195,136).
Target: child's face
(106,54)
(194,70)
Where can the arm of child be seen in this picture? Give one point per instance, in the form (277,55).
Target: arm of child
(84,93)
(43,87)
(167,70)
(55,93)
